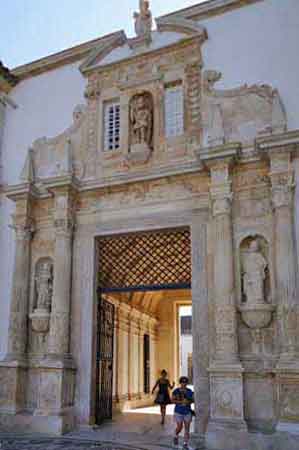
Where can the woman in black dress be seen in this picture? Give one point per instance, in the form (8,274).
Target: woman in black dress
(163,397)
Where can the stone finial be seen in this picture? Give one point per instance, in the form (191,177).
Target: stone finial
(28,172)
(143,20)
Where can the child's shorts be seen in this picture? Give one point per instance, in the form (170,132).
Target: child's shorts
(183,418)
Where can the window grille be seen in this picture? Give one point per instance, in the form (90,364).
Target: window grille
(112,126)
(174,111)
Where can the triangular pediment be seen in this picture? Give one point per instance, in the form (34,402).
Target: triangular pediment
(120,47)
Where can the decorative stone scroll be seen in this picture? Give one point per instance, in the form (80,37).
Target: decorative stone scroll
(240,114)
(61,155)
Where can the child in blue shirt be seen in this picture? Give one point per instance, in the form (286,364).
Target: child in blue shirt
(182,397)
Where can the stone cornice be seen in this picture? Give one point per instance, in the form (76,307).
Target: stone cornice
(22,190)
(208,9)
(211,155)
(86,69)
(288,141)
(56,60)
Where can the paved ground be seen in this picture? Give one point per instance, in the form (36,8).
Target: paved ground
(138,429)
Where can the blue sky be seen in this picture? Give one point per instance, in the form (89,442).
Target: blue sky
(32,29)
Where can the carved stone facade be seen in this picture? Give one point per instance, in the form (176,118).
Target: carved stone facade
(228,176)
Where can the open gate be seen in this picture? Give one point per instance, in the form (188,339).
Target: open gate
(105,344)
(150,261)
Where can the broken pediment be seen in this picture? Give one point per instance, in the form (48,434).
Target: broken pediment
(120,48)
(59,156)
(239,114)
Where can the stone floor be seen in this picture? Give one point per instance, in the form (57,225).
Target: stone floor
(138,429)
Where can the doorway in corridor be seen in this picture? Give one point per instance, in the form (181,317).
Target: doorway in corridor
(142,278)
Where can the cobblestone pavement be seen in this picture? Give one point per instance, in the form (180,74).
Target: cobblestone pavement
(57,444)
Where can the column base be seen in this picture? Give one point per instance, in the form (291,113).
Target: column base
(13,373)
(34,423)
(227,434)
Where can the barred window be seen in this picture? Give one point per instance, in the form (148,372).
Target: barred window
(174,111)
(112,126)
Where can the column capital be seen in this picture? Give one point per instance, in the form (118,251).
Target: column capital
(223,156)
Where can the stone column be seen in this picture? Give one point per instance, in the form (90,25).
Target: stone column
(226,373)
(13,367)
(282,180)
(200,319)
(123,358)
(60,314)
(57,379)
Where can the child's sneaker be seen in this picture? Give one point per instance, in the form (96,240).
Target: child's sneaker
(175,440)
(185,446)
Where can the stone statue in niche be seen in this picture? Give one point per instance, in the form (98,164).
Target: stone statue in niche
(44,286)
(254,274)
(256,309)
(40,318)
(141,126)
(143,19)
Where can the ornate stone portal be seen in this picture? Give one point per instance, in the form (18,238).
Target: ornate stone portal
(227,174)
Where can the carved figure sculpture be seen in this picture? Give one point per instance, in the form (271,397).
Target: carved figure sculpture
(143,19)
(254,267)
(44,286)
(141,120)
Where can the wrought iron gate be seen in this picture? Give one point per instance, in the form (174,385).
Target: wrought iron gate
(105,341)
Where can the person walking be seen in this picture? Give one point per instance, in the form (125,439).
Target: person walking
(163,397)
(182,397)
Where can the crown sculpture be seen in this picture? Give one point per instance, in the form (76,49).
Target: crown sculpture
(143,21)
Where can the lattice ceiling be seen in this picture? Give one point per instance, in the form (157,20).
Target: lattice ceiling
(145,261)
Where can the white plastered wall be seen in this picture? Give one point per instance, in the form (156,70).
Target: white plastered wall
(45,105)
(258,44)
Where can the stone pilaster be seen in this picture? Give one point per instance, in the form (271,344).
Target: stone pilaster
(57,371)
(123,354)
(226,372)
(60,314)
(279,150)
(13,368)
(200,314)
(287,294)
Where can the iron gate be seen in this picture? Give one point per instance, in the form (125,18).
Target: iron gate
(105,342)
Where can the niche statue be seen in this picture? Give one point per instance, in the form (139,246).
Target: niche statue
(141,125)
(254,267)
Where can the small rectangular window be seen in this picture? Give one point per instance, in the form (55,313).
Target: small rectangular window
(174,111)
(112,126)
